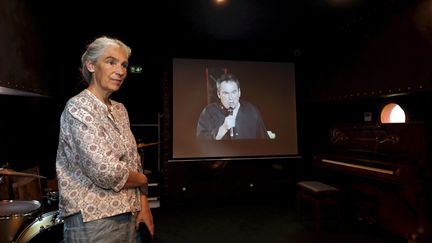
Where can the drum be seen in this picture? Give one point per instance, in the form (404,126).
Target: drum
(51,200)
(16,215)
(52,197)
(46,228)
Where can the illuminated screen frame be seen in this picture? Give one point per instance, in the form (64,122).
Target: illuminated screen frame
(270,86)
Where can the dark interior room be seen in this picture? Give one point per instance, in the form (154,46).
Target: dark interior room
(343,86)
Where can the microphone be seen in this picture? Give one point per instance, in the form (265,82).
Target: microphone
(230,112)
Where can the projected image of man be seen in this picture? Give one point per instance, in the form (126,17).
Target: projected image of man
(230,117)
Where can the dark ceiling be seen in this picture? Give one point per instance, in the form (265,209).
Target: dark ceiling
(237,28)
(51,36)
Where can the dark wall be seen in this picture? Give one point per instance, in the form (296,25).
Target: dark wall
(21,49)
(374,57)
(29,133)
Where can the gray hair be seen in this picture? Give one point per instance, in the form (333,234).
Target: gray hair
(96,49)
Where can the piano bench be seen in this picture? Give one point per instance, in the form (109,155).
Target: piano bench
(319,194)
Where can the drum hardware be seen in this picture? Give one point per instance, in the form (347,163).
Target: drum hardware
(52,196)
(51,200)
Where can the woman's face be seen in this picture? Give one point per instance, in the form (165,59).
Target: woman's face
(229,94)
(109,70)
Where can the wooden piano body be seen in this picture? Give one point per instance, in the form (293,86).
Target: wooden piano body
(385,173)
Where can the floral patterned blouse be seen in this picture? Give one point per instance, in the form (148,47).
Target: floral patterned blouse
(95,152)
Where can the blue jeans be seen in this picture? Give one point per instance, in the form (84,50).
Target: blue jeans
(119,228)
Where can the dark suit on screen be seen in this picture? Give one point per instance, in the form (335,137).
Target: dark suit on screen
(249,124)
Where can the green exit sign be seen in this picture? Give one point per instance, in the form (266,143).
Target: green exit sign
(136,69)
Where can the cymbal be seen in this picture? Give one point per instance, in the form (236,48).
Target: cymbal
(142,145)
(9,172)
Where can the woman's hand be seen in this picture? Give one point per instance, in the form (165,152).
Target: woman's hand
(145,216)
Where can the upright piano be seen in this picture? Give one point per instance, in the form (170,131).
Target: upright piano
(385,173)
